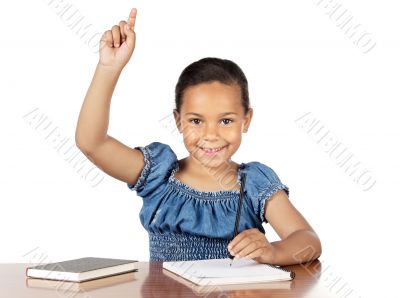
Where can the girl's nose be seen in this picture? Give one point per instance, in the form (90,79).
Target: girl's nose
(210,132)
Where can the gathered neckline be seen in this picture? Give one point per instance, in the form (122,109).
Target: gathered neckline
(205,194)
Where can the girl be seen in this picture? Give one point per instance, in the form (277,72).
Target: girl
(189,205)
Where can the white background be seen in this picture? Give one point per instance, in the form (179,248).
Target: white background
(296,60)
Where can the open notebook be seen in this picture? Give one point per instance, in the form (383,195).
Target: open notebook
(218,271)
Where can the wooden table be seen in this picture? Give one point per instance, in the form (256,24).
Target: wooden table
(151,280)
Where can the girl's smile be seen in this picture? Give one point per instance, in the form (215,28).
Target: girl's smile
(213,151)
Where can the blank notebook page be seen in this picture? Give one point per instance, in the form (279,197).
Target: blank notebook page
(220,268)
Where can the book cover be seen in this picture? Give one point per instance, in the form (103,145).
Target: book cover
(82,269)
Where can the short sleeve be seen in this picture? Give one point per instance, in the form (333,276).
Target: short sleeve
(159,160)
(261,183)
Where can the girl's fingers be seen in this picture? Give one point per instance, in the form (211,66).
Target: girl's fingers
(122,30)
(130,37)
(116,35)
(106,39)
(255,254)
(132,18)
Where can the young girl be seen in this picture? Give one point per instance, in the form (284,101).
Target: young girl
(189,205)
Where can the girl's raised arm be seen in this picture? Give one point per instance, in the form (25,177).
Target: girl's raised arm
(107,153)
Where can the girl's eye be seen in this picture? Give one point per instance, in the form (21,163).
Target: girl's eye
(191,121)
(228,120)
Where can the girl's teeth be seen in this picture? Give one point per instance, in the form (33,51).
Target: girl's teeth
(212,150)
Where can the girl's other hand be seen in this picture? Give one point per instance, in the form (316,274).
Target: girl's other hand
(252,244)
(117,44)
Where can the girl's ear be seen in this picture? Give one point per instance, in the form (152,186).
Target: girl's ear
(177,117)
(247,120)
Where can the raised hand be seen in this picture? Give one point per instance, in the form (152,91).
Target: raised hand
(117,44)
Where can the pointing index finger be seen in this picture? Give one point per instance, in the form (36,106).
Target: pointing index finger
(132,18)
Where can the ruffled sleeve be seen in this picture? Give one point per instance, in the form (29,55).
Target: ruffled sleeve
(159,160)
(261,183)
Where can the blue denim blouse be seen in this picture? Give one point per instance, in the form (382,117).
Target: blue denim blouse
(184,223)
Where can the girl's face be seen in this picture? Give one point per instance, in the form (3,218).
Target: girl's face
(212,121)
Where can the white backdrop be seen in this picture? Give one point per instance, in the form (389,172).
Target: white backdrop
(321,75)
